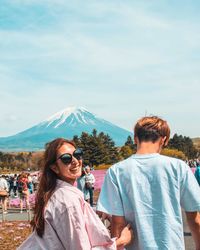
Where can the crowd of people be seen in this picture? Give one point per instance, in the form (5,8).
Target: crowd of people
(23,184)
(144,196)
(194,164)
(17,185)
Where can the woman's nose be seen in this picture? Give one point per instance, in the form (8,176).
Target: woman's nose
(74,160)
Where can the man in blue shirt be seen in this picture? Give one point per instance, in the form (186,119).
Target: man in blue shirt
(149,191)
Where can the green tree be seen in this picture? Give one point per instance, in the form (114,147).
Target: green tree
(184,144)
(76,140)
(129,142)
(109,151)
(84,144)
(173,153)
(125,152)
(98,148)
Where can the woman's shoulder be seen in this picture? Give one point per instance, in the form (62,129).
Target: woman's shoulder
(63,200)
(66,197)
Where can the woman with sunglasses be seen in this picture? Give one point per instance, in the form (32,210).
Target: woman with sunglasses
(62,218)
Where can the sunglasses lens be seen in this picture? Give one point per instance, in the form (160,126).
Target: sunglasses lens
(78,154)
(66,158)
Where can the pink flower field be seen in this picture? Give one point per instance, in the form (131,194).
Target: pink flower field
(99,176)
(12,234)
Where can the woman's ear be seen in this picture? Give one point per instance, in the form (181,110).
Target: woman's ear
(54,168)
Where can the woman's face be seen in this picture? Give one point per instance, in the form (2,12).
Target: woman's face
(71,171)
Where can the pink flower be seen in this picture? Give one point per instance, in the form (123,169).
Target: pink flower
(17,238)
(9,224)
(21,224)
(11,231)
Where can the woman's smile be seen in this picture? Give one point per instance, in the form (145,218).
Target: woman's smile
(75,169)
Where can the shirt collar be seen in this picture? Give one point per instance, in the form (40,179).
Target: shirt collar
(61,183)
(140,156)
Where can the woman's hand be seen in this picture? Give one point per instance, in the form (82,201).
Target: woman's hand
(125,238)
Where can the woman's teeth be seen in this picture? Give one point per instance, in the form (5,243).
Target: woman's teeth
(74,169)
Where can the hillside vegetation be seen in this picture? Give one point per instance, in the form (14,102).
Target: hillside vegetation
(196,142)
(99,152)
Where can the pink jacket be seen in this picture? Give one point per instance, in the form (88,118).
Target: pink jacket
(70,223)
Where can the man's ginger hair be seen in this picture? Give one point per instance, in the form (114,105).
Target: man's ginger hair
(151,128)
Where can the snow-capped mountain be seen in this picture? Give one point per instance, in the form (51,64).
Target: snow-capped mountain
(66,123)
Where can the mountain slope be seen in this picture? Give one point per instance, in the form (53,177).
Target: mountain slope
(66,123)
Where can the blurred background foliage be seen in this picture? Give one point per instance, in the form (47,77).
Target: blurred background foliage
(100,152)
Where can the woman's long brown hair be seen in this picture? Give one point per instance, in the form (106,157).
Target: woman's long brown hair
(47,183)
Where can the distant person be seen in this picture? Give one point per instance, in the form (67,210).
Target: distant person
(30,183)
(81,186)
(63,219)
(89,183)
(11,184)
(149,190)
(23,192)
(3,193)
(15,185)
(35,182)
(197,172)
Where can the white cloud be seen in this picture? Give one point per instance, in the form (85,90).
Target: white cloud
(118,58)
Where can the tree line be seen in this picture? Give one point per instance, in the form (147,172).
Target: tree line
(19,161)
(99,149)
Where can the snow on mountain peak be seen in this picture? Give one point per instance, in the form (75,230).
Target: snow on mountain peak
(60,117)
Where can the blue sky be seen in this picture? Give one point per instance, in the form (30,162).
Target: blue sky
(118,59)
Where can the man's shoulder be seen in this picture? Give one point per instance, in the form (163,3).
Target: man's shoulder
(134,158)
(121,165)
(159,159)
(174,160)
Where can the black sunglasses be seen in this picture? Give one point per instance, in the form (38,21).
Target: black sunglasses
(67,158)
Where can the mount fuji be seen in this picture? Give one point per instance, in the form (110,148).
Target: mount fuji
(66,123)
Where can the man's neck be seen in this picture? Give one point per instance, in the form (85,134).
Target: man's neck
(148,148)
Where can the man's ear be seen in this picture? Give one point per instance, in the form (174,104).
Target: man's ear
(136,140)
(54,168)
(164,141)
